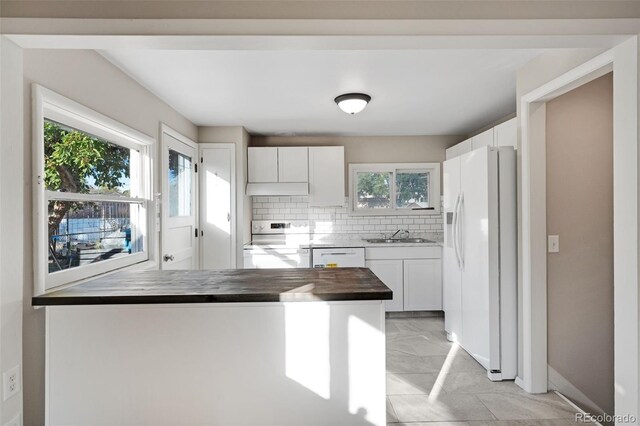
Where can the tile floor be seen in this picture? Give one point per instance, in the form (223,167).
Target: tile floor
(432,382)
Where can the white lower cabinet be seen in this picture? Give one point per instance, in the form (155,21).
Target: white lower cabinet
(423,285)
(390,273)
(414,274)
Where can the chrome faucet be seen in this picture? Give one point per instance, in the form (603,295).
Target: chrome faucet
(400,231)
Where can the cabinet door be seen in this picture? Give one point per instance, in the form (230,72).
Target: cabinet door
(422,285)
(483,139)
(262,164)
(506,134)
(390,273)
(452,152)
(326,176)
(464,147)
(293,164)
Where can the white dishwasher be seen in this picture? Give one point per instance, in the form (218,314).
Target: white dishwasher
(351,257)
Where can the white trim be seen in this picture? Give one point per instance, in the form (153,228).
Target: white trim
(623,59)
(558,383)
(90,121)
(393,168)
(575,407)
(72,196)
(234,233)
(51,105)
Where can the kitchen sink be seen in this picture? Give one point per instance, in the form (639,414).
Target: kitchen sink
(397,240)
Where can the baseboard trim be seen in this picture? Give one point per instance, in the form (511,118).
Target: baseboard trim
(520,383)
(575,407)
(563,387)
(415,314)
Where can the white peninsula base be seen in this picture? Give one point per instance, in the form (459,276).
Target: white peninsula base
(276,363)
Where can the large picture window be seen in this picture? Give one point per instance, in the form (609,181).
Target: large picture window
(92,192)
(395,189)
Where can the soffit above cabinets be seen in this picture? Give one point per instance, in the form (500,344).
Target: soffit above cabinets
(414,92)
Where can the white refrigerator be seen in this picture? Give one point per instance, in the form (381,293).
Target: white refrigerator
(480,259)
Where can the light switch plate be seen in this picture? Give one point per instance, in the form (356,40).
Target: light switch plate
(553,244)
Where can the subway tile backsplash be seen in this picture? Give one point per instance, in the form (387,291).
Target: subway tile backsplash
(338,220)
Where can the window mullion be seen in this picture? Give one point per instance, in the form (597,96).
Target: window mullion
(393,190)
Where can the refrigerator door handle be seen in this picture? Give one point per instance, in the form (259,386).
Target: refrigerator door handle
(460,230)
(455,231)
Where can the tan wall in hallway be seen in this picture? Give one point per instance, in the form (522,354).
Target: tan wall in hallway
(580,211)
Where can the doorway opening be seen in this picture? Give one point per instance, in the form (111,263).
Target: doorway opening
(579,176)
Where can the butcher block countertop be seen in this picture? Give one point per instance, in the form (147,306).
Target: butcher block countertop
(227,286)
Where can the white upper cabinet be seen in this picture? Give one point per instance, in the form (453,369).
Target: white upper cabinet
(483,139)
(276,165)
(506,134)
(460,149)
(262,164)
(293,164)
(326,176)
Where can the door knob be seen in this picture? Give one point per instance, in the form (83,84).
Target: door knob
(168,257)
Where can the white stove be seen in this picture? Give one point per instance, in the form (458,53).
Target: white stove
(278,244)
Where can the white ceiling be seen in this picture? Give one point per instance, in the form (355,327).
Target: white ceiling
(415,92)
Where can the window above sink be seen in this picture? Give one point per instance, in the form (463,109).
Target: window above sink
(394,188)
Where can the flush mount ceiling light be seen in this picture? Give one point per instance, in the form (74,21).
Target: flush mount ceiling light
(352,103)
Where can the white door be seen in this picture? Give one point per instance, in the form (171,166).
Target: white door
(217,212)
(452,275)
(422,285)
(179,214)
(390,273)
(474,250)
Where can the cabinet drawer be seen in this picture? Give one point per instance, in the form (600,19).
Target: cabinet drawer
(430,252)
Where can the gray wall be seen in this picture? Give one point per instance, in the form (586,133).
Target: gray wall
(580,210)
(87,78)
(12,224)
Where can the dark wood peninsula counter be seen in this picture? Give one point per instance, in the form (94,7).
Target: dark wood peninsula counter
(228,286)
(286,347)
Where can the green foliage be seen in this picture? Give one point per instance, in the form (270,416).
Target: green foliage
(411,188)
(374,189)
(73,159)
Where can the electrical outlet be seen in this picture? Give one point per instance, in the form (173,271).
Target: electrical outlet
(14,421)
(11,382)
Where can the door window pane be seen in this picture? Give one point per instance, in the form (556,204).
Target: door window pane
(374,190)
(78,162)
(179,184)
(82,233)
(412,189)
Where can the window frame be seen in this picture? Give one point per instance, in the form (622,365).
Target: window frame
(393,168)
(47,104)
